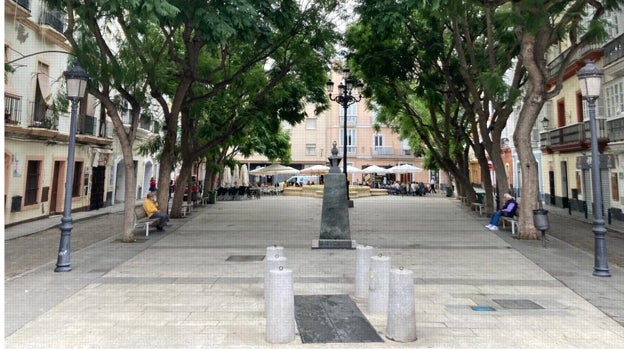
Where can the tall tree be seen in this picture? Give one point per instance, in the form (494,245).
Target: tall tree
(443,69)
(116,76)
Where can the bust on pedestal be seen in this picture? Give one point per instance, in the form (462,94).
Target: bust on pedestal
(335,231)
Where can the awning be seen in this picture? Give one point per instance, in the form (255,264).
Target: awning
(9,90)
(91,100)
(44,85)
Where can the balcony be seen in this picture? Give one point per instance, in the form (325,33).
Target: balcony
(54,19)
(17,8)
(614,50)
(592,51)
(615,129)
(573,138)
(383,151)
(351,120)
(12,110)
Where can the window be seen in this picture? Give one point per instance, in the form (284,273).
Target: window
(310,149)
(33,172)
(77,179)
(378,140)
(351,115)
(614,100)
(615,190)
(351,141)
(310,123)
(42,93)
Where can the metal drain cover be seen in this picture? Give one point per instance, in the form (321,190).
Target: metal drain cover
(245,258)
(332,319)
(525,304)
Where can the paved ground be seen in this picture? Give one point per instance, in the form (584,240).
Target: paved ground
(177,290)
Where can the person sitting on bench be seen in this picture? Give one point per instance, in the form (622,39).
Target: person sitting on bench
(151,209)
(508,210)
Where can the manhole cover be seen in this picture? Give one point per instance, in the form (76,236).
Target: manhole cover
(517,304)
(245,258)
(332,319)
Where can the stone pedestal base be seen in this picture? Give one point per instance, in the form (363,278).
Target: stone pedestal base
(334,244)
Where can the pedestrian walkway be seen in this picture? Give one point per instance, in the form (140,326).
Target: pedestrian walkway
(179,290)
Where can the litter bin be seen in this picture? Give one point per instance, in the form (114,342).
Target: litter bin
(449,191)
(540,219)
(480,197)
(212,197)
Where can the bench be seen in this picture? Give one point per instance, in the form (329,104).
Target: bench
(513,222)
(476,206)
(141,220)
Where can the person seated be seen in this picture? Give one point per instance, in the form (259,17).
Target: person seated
(150,206)
(509,210)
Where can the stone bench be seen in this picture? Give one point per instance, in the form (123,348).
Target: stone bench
(513,222)
(476,206)
(142,221)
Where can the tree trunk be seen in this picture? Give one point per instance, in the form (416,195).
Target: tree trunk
(533,102)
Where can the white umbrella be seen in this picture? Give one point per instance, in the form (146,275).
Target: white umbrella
(353,170)
(404,169)
(244,175)
(275,169)
(374,169)
(315,170)
(226,179)
(236,175)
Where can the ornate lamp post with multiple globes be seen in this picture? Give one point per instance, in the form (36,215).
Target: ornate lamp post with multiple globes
(345,98)
(77,79)
(590,79)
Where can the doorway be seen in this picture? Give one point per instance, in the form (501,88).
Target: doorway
(97,188)
(56,200)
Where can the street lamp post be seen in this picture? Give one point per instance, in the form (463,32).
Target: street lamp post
(77,79)
(590,78)
(345,98)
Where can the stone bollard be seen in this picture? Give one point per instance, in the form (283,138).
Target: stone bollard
(378,284)
(401,321)
(274,250)
(280,307)
(272,263)
(362,270)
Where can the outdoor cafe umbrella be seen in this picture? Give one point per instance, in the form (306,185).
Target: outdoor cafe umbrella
(244,175)
(236,175)
(353,170)
(274,169)
(374,169)
(315,170)
(226,179)
(404,169)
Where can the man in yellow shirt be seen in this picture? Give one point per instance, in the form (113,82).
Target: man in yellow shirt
(150,206)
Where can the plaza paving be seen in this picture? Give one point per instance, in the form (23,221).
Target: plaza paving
(177,289)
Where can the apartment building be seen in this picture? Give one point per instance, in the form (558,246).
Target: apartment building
(312,140)
(566,140)
(36,128)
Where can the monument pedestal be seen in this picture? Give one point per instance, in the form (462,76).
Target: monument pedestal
(334,244)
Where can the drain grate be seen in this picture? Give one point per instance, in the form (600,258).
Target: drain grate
(332,319)
(524,304)
(244,258)
(482,308)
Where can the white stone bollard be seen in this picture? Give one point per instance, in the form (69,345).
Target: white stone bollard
(401,321)
(272,263)
(378,284)
(274,250)
(280,307)
(362,270)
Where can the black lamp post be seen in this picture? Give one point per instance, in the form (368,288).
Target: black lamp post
(590,78)
(345,98)
(77,79)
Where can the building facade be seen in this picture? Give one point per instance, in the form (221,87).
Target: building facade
(36,126)
(312,140)
(566,139)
